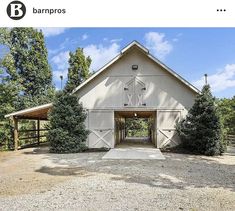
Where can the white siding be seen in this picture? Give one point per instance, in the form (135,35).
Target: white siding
(162,89)
(107,93)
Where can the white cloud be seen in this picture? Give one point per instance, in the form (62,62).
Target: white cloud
(65,44)
(100,54)
(179,34)
(116,40)
(61,60)
(221,80)
(175,40)
(84,36)
(48,32)
(157,44)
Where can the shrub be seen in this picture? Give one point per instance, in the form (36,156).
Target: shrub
(67,131)
(201,130)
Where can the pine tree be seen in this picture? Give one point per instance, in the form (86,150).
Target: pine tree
(201,130)
(67,129)
(29,52)
(78,70)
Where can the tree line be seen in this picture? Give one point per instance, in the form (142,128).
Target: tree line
(26,76)
(26,81)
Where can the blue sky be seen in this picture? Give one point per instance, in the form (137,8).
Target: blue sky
(191,52)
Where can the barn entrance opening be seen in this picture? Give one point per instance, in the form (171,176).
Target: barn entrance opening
(135,128)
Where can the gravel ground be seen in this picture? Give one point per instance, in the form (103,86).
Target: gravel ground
(33,179)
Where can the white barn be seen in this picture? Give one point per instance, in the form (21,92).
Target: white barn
(134,83)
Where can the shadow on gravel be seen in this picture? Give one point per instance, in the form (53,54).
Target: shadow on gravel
(152,182)
(64,171)
(178,171)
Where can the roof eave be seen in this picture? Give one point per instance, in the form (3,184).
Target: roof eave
(174,73)
(25,111)
(97,73)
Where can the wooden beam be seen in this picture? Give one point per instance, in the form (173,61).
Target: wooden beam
(32,118)
(38,130)
(16,135)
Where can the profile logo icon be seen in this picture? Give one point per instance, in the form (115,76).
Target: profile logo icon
(16,10)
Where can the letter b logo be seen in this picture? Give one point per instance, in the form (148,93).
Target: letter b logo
(16,10)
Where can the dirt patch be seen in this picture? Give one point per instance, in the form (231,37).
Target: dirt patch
(19,175)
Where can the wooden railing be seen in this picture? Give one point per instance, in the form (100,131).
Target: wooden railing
(231,138)
(36,134)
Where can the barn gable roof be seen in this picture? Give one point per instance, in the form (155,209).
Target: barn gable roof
(146,52)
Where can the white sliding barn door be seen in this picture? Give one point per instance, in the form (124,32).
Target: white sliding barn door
(101,126)
(166,132)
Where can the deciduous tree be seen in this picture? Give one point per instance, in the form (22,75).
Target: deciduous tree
(227,110)
(28,49)
(78,70)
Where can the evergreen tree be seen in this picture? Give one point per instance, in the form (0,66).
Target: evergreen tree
(78,70)
(201,130)
(67,132)
(29,52)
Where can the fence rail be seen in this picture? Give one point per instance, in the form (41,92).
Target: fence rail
(231,139)
(34,137)
(32,130)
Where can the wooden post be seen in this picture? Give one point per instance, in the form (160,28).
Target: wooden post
(38,130)
(16,136)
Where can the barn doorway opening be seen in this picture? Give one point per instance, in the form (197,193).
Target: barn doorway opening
(135,128)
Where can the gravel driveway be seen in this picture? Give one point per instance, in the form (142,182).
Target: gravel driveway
(33,179)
